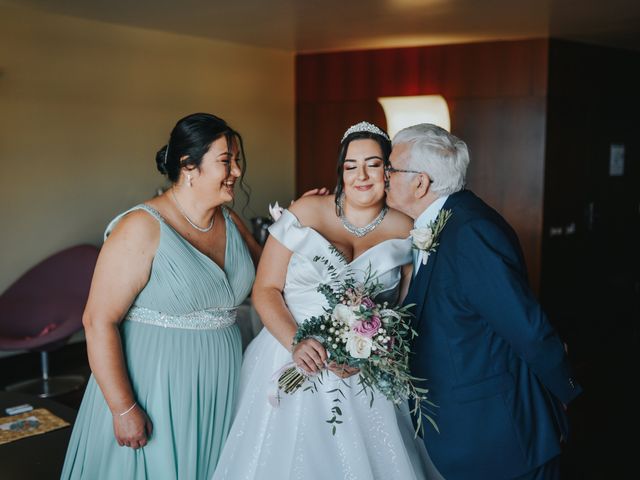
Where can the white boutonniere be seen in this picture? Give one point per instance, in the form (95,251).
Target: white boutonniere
(425,239)
(275,211)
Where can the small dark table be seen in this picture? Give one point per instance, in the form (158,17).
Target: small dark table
(41,456)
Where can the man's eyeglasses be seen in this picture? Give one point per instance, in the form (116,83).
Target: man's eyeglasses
(389,169)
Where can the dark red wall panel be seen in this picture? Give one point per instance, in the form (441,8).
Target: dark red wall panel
(497,97)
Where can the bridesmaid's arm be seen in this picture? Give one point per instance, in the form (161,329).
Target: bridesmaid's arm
(122,270)
(267,298)
(254,247)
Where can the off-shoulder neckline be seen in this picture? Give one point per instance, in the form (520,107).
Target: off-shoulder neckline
(331,245)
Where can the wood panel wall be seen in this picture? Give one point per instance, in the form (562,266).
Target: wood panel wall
(497,98)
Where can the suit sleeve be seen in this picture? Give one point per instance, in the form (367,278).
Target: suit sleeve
(494,282)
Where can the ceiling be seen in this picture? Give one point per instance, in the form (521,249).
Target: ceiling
(314,25)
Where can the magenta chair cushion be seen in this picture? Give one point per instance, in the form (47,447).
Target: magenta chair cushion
(43,308)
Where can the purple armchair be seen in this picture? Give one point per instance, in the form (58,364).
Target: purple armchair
(43,308)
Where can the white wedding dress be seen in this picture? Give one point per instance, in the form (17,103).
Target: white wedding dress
(293,440)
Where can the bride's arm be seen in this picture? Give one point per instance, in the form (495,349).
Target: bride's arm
(267,298)
(407,271)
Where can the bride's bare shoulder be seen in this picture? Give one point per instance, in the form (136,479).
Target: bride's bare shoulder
(399,223)
(311,210)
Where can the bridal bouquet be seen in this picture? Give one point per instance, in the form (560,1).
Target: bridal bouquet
(360,333)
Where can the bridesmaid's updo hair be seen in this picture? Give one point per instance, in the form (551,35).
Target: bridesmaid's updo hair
(190,139)
(362,130)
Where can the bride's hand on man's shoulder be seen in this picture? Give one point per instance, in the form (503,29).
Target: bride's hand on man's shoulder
(309,355)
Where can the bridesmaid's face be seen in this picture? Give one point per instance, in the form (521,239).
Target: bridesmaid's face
(363,172)
(219,170)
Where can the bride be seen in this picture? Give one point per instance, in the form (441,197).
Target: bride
(280,436)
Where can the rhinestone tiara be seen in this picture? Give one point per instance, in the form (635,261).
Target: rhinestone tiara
(365,127)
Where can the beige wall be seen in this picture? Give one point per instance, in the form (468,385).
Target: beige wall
(85,105)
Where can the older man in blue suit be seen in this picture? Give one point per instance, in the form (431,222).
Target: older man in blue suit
(493,363)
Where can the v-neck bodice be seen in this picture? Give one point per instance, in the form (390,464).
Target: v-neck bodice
(304,273)
(184,280)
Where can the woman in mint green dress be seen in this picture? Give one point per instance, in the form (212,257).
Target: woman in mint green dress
(160,320)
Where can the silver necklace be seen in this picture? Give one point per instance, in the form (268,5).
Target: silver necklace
(200,229)
(360,231)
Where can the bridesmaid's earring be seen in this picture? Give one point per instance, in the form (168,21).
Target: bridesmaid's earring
(189,181)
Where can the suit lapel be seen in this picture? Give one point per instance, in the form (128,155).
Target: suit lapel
(419,286)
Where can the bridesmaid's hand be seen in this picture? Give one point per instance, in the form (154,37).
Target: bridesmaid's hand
(309,355)
(343,371)
(132,429)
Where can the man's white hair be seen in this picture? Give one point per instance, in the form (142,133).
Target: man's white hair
(442,156)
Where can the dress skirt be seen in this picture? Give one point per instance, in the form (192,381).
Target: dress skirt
(186,381)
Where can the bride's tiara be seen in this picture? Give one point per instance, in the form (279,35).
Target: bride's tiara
(365,127)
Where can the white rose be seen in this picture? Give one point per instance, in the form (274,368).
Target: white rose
(359,347)
(422,237)
(342,313)
(275,211)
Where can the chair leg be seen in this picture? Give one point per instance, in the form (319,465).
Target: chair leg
(44,364)
(47,386)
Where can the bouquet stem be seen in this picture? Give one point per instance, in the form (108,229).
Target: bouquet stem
(291,380)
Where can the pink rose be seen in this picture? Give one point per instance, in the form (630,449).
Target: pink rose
(367,328)
(367,302)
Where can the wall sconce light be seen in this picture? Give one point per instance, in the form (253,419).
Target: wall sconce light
(402,112)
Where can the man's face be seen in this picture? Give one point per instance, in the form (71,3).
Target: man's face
(400,191)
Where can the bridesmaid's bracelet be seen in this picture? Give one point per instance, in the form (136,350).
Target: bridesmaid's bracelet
(128,409)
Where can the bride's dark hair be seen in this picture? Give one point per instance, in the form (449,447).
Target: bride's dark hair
(385,146)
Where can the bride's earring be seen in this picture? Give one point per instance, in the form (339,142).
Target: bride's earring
(189,180)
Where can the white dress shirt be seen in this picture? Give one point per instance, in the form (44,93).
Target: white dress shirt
(425,218)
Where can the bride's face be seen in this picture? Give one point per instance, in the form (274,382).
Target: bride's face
(363,172)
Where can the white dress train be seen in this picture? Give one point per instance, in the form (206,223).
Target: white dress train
(293,440)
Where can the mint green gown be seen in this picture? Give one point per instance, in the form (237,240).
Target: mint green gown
(183,354)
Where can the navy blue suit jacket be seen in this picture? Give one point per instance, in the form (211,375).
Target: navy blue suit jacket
(492,362)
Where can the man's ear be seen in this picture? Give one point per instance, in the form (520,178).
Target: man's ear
(421,185)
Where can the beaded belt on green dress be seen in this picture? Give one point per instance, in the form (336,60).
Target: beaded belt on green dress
(210,319)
